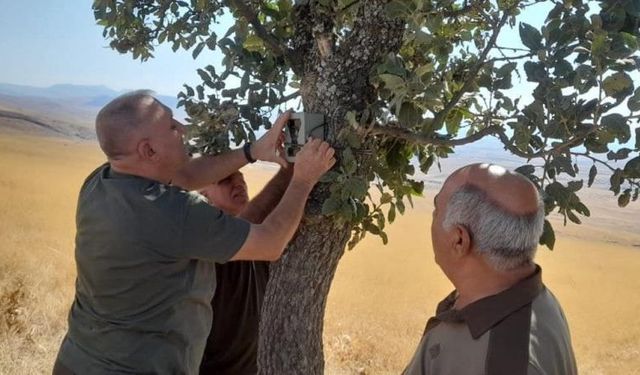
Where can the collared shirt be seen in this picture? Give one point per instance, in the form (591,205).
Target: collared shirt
(521,330)
(145,255)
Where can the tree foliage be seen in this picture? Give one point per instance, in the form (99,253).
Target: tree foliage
(566,94)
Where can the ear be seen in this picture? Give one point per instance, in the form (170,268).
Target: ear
(461,241)
(145,150)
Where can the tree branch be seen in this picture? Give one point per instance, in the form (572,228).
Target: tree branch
(270,41)
(595,160)
(397,132)
(286,98)
(509,58)
(442,115)
(542,153)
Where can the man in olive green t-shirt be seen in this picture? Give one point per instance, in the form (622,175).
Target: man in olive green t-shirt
(501,319)
(146,247)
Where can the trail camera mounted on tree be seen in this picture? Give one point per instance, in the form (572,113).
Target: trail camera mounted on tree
(300,127)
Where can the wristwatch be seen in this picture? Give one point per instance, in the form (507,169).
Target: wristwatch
(247,152)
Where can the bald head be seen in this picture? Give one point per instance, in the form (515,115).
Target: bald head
(501,211)
(121,123)
(510,190)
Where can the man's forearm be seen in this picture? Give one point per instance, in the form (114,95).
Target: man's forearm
(204,170)
(267,241)
(263,203)
(283,221)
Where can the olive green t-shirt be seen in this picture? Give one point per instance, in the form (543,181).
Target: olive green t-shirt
(145,256)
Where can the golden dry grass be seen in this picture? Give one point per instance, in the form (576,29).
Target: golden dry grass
(379,302)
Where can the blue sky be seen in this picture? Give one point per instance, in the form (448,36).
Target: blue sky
(45,42)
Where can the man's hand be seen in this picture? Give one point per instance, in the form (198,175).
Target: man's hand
(312,161)
(270,146)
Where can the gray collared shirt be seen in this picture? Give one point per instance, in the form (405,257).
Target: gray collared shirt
(521,330)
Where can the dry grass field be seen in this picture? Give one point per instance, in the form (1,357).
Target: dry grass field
(380,299)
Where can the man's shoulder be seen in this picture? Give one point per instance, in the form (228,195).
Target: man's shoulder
(550,348)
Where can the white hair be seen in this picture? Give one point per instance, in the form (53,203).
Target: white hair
(506,240)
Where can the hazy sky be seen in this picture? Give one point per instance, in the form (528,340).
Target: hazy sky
(45,42)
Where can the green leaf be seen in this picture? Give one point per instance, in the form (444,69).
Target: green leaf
(351,119)
(506,69)
(615,180)
(253,43)
(398,9)
(409,115)
(329,176)
(372,228)
(621,154)
(357,187)
(630,40)
(526,169)
(618,85)
(535,72)
(198,49)
(330,206)
(575,185)
(573,217)
(385,239)
(623,199)
(632,168)
(391,215)
(613,18)
(592,175)
(530,36)
(634,102)
(386,198)
(417,187)
(548,237)
(392,81)
(617,125)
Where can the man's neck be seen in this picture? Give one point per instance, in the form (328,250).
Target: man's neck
(126,168)
(481,281)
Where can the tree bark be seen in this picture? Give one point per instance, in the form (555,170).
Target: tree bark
(334,80)
(293,311)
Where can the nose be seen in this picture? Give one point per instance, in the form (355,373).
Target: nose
(181,128)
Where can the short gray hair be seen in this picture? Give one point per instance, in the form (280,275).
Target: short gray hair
(118,118)
(506,240)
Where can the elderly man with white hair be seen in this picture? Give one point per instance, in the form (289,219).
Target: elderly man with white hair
(501,319)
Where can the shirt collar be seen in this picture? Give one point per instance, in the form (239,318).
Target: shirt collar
(480,316)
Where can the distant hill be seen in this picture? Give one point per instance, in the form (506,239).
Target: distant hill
(63,109)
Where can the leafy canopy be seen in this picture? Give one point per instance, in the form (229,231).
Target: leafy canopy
(451,82)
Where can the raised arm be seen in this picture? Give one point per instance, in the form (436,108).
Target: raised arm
(263,203)
(266,241)
(204,170)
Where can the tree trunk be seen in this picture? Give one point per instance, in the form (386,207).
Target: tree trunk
(334,80)
(293,311)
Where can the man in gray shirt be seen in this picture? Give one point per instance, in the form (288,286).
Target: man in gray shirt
(146,247)
(501,319)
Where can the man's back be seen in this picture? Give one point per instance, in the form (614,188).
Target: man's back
(141,270)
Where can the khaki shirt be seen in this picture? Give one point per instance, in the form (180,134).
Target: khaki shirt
(521,330)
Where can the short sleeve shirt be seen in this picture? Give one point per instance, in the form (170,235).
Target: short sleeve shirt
(145,254)
(520,331)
